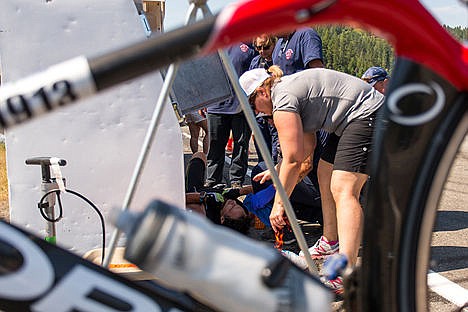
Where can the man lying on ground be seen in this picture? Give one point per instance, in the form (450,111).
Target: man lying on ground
(223,206)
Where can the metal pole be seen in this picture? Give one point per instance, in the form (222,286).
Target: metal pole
(191,16)
(168,81)
(143,156)
(249,115)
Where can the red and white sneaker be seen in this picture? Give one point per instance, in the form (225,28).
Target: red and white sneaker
(335,285)
(323,248)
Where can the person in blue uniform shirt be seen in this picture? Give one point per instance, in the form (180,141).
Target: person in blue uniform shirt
(294,52)
(265,44)
(225,117)
(298,50)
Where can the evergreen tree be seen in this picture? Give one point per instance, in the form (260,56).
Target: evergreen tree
(458,32)
(353,50)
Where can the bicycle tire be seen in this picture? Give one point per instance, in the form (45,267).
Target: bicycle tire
(409,169)
(425,221)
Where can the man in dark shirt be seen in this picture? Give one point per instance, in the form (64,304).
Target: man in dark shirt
(225,117)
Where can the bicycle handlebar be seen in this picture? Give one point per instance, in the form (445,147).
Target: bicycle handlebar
(414,33)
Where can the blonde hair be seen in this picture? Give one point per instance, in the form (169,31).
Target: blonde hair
(275,76)
(275,72)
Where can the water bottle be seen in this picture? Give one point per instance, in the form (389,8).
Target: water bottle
(216,265)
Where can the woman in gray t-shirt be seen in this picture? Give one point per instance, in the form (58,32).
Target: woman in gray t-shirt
(303,103)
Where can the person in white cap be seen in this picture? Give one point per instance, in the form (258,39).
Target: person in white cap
(303,103)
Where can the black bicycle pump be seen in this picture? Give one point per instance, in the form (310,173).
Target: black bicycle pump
(47,185)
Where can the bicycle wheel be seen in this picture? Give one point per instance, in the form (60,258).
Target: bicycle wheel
(448,264)
(425,120)
(424,221)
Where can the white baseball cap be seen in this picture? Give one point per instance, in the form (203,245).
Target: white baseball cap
(252,79)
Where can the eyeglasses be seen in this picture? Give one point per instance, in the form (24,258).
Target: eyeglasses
(252,98)
(262,47)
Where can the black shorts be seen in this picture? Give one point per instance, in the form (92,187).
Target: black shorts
(353,148)
(329,151)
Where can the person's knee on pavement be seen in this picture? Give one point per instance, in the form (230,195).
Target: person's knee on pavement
(195,172)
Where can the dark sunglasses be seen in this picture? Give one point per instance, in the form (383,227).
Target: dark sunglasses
(262,47)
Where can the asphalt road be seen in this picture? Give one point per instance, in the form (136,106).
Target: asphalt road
(449,260)
(448,274)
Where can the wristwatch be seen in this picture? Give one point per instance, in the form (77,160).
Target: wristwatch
(202,196)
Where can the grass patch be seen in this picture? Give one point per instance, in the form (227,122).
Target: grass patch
(4,210)
(3,174)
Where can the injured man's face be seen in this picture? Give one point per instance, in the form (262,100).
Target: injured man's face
(232,210)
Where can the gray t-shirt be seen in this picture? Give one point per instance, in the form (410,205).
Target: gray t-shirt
(325,99)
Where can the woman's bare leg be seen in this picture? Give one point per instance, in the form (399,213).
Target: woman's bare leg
(324,174)
(194,134)
(346,188)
